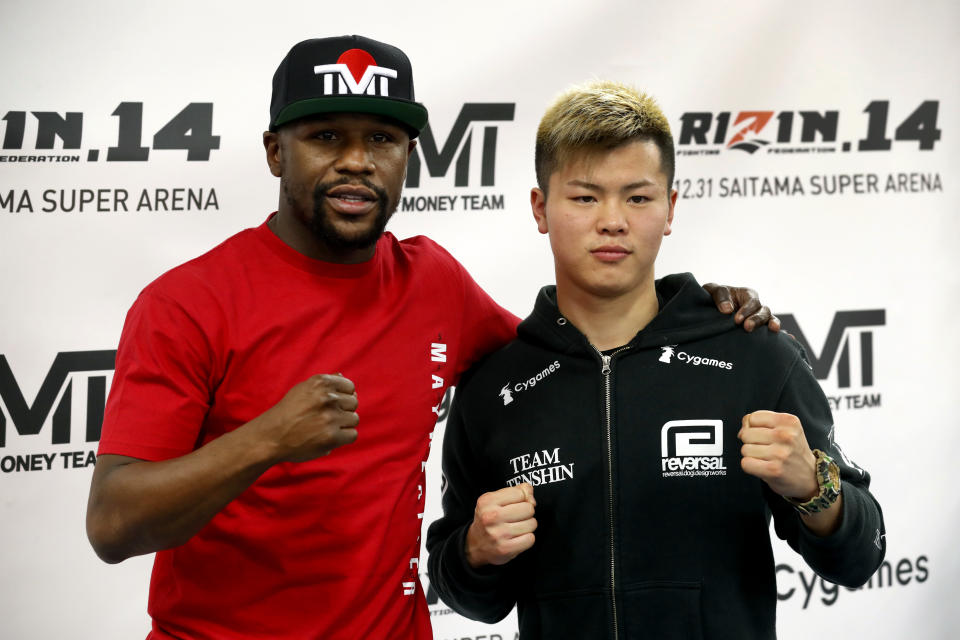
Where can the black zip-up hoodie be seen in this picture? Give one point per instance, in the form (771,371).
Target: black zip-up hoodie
(647,525)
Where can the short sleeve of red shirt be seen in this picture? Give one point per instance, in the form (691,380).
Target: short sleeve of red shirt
(485,325)
(162,385)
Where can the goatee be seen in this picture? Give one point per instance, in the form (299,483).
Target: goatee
(322,227)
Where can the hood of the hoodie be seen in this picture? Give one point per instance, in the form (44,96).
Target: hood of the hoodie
(687,313)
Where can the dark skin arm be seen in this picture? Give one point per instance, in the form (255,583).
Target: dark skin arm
(137,507)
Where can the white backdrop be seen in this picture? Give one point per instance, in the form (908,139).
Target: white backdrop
(851,109)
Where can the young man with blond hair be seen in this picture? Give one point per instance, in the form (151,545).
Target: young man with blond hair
(624,488)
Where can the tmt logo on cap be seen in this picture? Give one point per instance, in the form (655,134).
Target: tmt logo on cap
(346,74)
(356,70)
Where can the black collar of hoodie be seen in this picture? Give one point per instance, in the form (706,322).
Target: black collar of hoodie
(687,312)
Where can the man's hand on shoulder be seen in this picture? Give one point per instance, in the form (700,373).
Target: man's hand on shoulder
(746,303)
(503,526)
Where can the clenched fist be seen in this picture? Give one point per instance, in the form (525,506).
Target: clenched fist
(315,417)
(775,450)
(503,526)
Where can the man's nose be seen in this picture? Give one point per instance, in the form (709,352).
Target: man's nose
(611,219)
(354,158)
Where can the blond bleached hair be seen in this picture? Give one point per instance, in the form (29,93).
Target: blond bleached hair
(598,116)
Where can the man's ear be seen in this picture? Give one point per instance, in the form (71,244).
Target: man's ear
(406,162)
(271,144)
(538,203)
(668,227)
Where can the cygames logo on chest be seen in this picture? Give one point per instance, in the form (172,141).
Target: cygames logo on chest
(669,352)
(509,389)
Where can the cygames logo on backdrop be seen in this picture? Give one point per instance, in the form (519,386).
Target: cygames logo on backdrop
(850,332)
(473,166)
(74,375)
(802,583)
(802,132)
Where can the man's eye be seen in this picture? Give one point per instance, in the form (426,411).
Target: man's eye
(325,135)
(584,199)
(639,199)
(382,137)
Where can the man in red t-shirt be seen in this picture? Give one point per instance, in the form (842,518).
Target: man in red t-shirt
(238,372)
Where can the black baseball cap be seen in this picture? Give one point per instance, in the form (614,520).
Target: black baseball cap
(346,74)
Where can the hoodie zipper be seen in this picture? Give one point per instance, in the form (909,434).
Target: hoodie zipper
(606,371)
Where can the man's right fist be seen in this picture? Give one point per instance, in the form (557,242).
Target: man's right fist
(314,418)
(503,526)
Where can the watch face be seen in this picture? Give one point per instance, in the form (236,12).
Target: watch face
(828,477)
(831,480)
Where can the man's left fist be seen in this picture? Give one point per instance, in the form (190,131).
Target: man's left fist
(775,450)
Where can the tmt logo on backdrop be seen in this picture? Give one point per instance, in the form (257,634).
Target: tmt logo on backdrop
(850,331)
(70,373)
(709,133)
(476,122)
(458,144)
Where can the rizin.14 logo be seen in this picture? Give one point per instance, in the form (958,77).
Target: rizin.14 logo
(190,130)
(793,132)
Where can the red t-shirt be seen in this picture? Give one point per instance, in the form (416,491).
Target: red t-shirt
(321,549)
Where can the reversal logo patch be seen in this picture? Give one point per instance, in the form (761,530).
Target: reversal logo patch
(692,448)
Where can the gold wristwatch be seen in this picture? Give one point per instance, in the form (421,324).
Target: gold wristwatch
(828,477)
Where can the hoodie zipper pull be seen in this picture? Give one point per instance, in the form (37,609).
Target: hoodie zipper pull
(606,365)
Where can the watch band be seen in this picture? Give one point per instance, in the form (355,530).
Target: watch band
(828,478)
